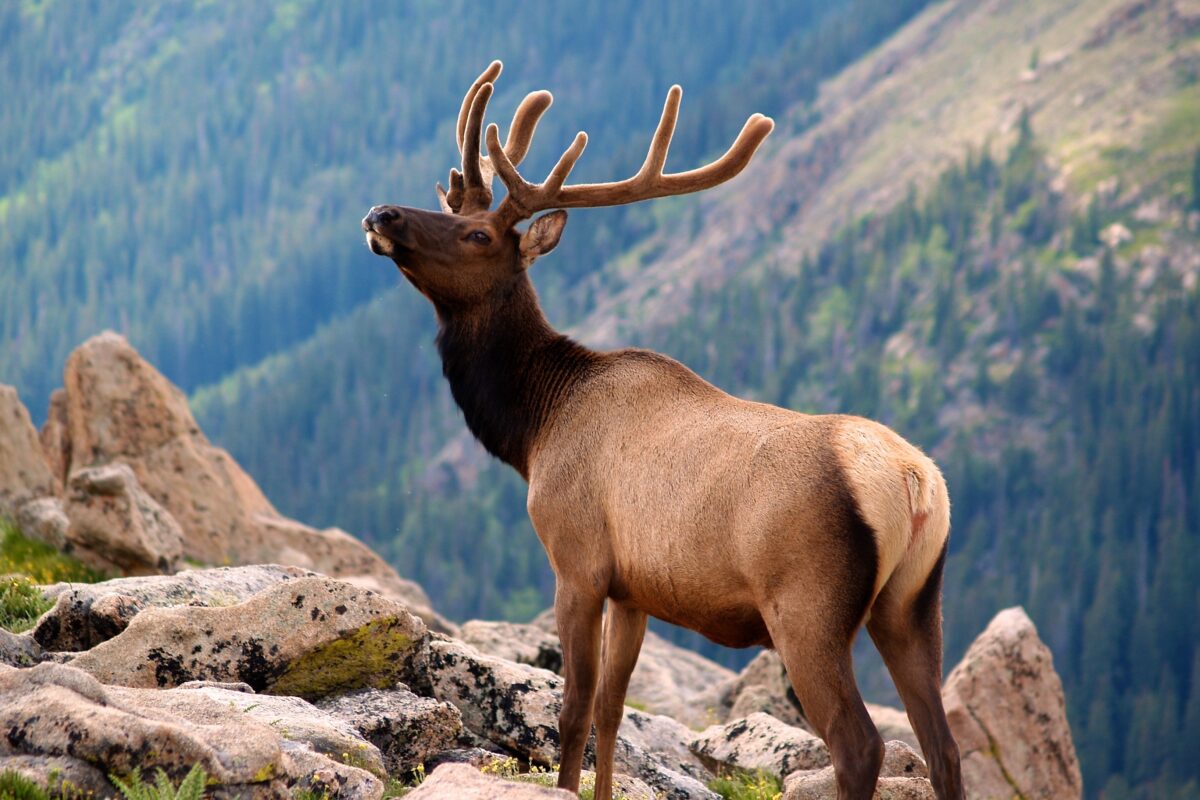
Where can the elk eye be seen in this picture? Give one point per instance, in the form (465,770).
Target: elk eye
(479,237)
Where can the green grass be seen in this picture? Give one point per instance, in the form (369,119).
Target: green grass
(748,786)
(134,787)
(21,603)
(14,786)
(38,561)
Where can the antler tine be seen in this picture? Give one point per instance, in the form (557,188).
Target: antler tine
(489,75)
(472,175)
(524,123)
(656,157)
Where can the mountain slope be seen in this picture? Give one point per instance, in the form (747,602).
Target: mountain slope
(995,258)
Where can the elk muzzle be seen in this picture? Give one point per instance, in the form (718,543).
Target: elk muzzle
(384,227)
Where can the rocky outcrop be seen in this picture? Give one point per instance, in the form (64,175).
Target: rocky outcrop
(306,637)
(24,473)
(516,707)
(115,526)
(1008,714)
(116,407)
(57,716)
(84,615)
(407,729)
(760,742)
(464,782)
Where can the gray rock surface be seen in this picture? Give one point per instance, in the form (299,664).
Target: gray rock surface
(44,519)
(516,707)
(18,649)
(56,711)
(292,718)
(115,526)
(306,637)
(406,728)
(760,742)
(464,782)
(83,615)
(524,644)
(1007,712)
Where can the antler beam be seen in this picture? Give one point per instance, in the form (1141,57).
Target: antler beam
(525,199)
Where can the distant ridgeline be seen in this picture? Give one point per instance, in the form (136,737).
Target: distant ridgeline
(1054,378)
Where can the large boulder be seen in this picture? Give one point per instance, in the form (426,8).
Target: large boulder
(760,742)
(84,615)
(306,637)
(464,782)
(117,407)
(1007,712)
(56,716)
(115,526)
(407,729)
(516,707)
(24,473)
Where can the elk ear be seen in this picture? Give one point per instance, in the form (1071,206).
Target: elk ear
(542,236)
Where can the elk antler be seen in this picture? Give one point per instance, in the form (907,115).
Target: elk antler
(471,189)
(525,199)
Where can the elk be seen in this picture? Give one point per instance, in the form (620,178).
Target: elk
(659,494)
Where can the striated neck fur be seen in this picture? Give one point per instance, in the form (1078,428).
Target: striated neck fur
(509,370)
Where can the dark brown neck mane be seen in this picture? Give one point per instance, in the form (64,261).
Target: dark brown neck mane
(508,369)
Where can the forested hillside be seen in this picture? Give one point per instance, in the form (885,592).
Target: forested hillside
(984,231)
(192,173)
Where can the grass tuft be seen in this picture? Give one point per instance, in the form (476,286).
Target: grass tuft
(38,561)
(758,785)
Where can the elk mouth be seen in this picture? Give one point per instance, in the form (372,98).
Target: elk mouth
(380,242)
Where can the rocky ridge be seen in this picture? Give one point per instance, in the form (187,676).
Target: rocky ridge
(331,674)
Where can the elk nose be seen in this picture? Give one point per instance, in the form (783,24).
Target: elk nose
(380,215)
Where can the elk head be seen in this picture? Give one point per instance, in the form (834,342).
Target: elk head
(468,253)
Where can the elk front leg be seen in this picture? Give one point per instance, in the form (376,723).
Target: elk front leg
(578,614)
(624,627)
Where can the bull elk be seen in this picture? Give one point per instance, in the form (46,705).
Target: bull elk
(657,492)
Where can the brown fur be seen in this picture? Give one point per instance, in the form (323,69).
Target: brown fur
(662,495)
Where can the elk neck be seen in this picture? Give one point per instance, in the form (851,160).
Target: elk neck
(508,369)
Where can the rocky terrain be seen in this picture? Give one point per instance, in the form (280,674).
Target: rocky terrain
(282,658)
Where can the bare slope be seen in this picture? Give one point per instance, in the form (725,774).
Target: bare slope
(1100,79)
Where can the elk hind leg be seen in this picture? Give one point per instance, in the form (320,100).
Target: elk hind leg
(821,671)
(908,633)
(624,628)
(578,616)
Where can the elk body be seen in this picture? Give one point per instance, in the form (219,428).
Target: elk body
(662,495)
